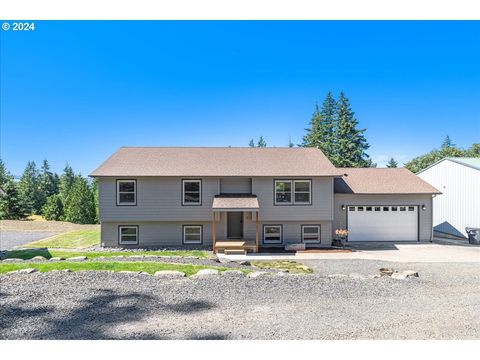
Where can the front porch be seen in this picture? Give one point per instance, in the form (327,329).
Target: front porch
(234,242)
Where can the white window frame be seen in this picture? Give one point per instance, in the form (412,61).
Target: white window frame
(309,241)
(190,242)
(280,231)
(128,242)
(199,203)
(293,192)
(120,203)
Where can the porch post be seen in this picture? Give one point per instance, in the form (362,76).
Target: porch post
(256,232)
(214,233)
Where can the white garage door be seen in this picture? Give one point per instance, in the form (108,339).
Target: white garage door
(382,223)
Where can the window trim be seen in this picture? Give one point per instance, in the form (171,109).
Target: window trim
(184,226)
(292,186)
(270,242)
(183,192)
(319,226)
(120,227)
(117,192)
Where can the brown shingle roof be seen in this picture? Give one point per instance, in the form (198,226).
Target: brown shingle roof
(216,161)
(240,203)
(381,181)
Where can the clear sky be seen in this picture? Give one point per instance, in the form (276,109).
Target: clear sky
(76,91)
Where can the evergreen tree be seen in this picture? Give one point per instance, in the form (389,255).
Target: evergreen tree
(447,143)
(251,143)
(11,205)
(4,174)
(290,143)
(66,182)
(474,150)
(53,208)
(94,188)
(350,142)
(48,183)
(80,206)
(392,163)
(28,188)
(261,142)
(321,133)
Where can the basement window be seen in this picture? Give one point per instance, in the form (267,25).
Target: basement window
(192,234)
(311,233)
(272,234)
(128,234)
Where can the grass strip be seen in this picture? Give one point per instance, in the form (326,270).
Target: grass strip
(149,267)
(288,266)
(70,240)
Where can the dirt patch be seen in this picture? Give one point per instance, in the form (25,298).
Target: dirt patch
(43,226)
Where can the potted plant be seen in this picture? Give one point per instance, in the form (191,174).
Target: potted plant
(340,237)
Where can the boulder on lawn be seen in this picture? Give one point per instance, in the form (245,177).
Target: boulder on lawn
(12,260)
(206,272)
(129,272)
(410,273)
(38,258)
(244,262)
(169,274)
(398,276)
(78,258)
(386,271)
(27,271)
(295,247)
(256,274)
(57,258)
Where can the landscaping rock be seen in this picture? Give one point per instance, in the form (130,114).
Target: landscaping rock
(12,272)
(398,276)
(170,274)
(410,273)
(207,272)
(386,271)
(213,257)
(144,273)
(245,263)
(337,276)
(57,258)
(376,276)
(191,257)
(135,256)
(356,276)
(224,260)
(38,258)
(282,273)
(295,247)
(233,273)
(78,258)
(256,274)
(128,272)
(12,260)
(27,271)
(67,270)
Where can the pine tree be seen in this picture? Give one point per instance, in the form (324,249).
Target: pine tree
(392,163)
(80,206)
(53,208)
(48,183)
(4,174)
(66,182)
(290,143)
(251,143)
(94,187)
(447,143)
(28,188)
(321,133)
(261,142)
(11,205)
(350,142)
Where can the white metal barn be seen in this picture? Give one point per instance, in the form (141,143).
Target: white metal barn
(459,205)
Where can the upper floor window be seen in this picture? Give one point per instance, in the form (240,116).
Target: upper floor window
(293,192)
(192,192)
(126,192)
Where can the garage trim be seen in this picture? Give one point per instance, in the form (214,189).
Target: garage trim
(373,205)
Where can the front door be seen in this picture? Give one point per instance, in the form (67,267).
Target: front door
(235,225)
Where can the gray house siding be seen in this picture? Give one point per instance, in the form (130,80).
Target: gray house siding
(425,216)
(236,185)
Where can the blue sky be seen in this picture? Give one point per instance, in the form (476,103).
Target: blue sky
(76,91)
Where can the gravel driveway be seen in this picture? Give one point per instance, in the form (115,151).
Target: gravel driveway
(11,239)
(443,303)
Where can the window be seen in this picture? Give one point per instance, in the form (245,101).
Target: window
(302,191)
(402,208)
(394,208)
(378,208)
(369,208)
(126,192)
(386,208)
(272,234)
(293,192)
(128,234)
(311,233)
(360,208)
(192,192)
(283,192)
(351,208)
(411,208)
(192,234)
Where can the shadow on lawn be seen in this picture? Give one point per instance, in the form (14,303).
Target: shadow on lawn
(93,318)
(27,254)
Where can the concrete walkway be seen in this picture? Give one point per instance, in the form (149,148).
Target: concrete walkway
(420,253)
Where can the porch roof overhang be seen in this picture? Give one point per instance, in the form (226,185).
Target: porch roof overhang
(235,204)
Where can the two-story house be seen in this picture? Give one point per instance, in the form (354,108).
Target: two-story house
(248,198)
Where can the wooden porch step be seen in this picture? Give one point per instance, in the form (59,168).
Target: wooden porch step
(235,251)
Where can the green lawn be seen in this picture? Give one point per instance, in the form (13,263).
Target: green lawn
(289,266)
(78,239)
(150,267)
(49,253)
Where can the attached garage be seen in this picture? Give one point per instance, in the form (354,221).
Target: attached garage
(382,223)
(383,205)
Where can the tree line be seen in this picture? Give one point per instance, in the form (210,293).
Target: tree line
(67,197)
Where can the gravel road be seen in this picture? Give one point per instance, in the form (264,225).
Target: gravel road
(10,239)
(443,303)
